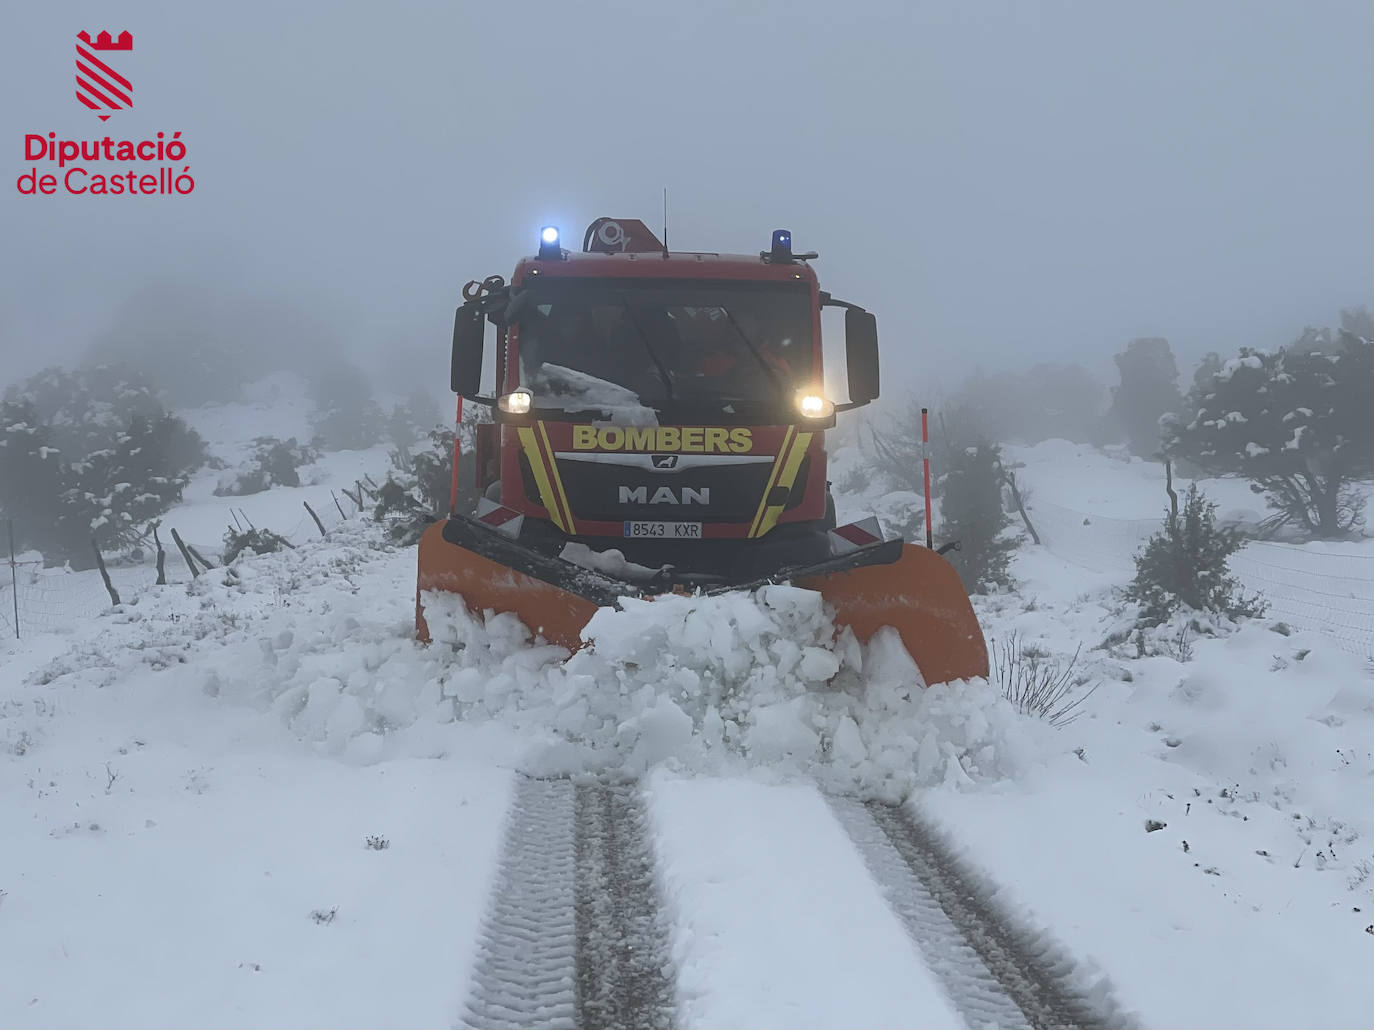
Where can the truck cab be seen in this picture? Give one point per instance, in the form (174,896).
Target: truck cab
(670,406)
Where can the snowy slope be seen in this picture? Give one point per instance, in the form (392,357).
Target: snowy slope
(189,784)
(277,406)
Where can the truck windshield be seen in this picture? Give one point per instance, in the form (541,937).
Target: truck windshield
(729,345)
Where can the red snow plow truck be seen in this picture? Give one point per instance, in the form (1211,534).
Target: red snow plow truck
(670,407)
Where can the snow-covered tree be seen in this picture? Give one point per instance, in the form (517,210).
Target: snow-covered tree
(411,419)
(119,489)
(1358,322)
(972,514)
(1148,390)
(90,453)
(1047,401)
(1209,366)
(32,472)
(346,418)
(1295,423)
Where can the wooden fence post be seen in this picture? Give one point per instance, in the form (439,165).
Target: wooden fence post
(1010,478)
(200,557)
(185,554)
(14,578)
(319,525)
(161,559)
(100,561)
(1169,488)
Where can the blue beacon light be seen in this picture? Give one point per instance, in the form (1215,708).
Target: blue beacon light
(549,249)
(782,246)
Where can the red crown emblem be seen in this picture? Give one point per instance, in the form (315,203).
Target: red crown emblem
(98,86)
(104,42)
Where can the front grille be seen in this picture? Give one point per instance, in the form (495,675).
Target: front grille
(593,490)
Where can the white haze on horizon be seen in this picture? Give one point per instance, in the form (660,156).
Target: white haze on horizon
(1002,183)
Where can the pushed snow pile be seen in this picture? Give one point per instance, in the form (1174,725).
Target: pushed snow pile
(716,683)
(322,636)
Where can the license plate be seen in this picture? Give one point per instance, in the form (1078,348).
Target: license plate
(664,530)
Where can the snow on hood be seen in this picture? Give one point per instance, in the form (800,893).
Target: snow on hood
(556,386)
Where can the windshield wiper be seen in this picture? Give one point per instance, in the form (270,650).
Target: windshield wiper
(767,368)
(662,369)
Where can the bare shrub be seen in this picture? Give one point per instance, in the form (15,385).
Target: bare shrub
(258,541)
(1179,647)
(1038,683)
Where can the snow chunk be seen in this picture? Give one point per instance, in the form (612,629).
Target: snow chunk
(1234,365)
(557,386)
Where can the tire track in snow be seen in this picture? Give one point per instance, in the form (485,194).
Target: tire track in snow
(995,971)
(624,977)
(524,975)
(573,937)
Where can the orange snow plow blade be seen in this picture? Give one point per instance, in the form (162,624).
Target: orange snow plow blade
(920,596)
(556,615)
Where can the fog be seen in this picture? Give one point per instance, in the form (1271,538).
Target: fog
(1002,183)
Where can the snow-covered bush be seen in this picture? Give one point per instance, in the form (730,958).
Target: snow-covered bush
(273,463)
(1293,422)
(405,517)
(418,487)
(1184,566)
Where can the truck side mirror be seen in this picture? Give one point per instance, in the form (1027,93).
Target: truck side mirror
(861,355)
(465,368)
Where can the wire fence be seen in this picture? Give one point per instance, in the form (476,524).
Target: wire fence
(1325,588)
(44,597)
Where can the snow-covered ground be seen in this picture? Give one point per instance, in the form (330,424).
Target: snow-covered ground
(189,785)
(278,407)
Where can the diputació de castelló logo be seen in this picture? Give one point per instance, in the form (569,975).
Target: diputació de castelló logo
(104,86)
(99,86)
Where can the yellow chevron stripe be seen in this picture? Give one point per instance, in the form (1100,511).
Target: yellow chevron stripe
(800,443)
(557,480)
(772,478)
(547,497)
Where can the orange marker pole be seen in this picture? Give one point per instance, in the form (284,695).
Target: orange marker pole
(925,463)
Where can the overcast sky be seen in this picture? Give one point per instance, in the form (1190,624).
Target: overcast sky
(1000,182)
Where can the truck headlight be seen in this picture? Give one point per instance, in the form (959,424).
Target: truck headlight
(517,403)
(813,405)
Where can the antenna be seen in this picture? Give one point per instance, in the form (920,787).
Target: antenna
(665,223)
